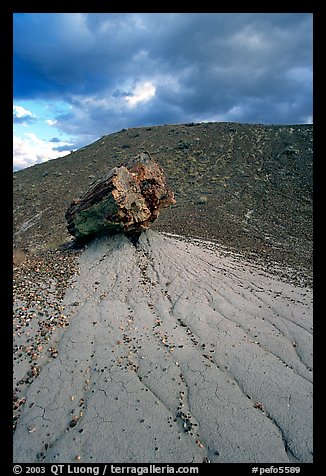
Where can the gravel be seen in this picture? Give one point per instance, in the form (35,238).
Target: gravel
(39,315)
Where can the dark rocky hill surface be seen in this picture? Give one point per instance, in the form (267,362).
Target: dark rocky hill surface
(249,187)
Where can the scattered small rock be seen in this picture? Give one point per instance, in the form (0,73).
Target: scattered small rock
(73,422)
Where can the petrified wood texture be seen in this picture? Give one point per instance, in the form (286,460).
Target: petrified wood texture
(127,199)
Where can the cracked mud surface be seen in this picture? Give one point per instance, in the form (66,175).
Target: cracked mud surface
(177,352)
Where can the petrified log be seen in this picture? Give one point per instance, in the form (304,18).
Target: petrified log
(129,198)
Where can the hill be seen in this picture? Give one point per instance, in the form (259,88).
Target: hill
(249,187)
(203,353)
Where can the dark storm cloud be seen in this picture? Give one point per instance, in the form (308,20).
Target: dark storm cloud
(241,67)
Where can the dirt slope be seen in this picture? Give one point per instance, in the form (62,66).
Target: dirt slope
(247,186)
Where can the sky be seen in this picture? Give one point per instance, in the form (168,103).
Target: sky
(79,76)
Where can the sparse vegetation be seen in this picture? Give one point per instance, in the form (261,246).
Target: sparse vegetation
(236,171)
(202,199)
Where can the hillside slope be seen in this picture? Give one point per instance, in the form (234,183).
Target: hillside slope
(249,187)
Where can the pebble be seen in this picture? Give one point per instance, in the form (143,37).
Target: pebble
(39,285)
(73,422)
